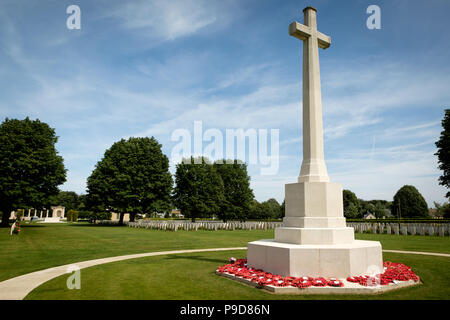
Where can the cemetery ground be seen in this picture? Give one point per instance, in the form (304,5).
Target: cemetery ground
(184,276)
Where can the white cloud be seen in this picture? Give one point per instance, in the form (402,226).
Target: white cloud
(172,19)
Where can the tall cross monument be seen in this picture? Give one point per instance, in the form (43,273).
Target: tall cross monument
(313,165)
(314,239)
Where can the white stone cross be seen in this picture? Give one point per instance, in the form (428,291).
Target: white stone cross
(313,166)
(314,239)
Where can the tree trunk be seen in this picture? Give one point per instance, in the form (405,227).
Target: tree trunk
(132,216)
(121,219)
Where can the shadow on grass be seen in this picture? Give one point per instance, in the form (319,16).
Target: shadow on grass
(197,258)
(32,226)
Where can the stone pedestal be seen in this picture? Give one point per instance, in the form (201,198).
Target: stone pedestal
(338,260)
(314,240)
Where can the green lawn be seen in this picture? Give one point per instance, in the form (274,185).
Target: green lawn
(43,246)
(191,276)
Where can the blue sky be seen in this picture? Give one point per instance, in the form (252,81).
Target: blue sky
(143,68)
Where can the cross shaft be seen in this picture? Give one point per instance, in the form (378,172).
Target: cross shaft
(313,166)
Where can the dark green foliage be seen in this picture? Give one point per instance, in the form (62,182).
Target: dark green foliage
(238,194)
(443,153)
(380,209)
(283,209)
(443,210)
(254,211)
(408,202)
(94,216)
(72,215)
(133,177)
(68,199)
(357,208)
(81,202)
(351,204)
(269,209)
(351,211)
(30,168)
(199,191)
(69,215)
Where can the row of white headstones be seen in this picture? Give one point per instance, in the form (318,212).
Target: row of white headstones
(360,227)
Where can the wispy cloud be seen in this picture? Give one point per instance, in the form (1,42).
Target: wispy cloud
(173,19)
(142,68)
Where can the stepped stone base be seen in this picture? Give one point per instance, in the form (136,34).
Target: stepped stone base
(327,260)
(314,235)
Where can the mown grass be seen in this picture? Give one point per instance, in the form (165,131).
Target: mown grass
(191,276)
(48,245)
(43,246)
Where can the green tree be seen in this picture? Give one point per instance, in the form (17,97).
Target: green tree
(30,168)
(380,209)
(283,209)
(351,211)
(69,215)
(351,203)
(68,199)
(199,190)
(254,210)
(270,209)
(237,191)
(443,210)
(443,153)
(408,203)
(132,177)
(72,215)
(81,202)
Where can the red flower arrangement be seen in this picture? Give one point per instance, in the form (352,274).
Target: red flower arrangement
(393,272)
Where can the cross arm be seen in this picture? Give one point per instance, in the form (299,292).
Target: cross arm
(324,41)
(299,31)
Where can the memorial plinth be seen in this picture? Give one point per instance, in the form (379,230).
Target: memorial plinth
(314,240)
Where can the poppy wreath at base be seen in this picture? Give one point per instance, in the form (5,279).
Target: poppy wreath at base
(393,272)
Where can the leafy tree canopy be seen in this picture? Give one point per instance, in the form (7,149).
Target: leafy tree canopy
(352,205)
(68,199)
(237,191)
(199,190)
(408,203)
(30,168)
(443,153)
(132,177)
